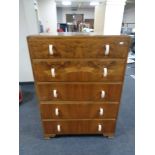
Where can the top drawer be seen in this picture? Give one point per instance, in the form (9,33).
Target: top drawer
(78,47)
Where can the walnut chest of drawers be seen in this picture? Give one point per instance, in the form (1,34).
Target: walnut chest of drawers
(78,80)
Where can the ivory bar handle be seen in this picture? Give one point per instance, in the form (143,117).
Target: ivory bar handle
(51,49)
(56,111)
(121,43)
(107,49)
(101,111)
(55,95)
(105,72)
(99,127)
(53,72)
(58,128)
(102,94)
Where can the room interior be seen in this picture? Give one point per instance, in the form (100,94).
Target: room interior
(82,16)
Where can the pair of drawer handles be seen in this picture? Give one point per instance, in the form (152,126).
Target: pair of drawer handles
(106,52)
(55,94)
(59,127)
(105,72)
(101,111)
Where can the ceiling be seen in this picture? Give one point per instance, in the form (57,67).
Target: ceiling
(83,3)
(75,3)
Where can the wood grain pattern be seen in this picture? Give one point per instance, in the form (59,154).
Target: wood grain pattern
(79,126)
(74,47)
(78,111)
(79,92)
(79,70)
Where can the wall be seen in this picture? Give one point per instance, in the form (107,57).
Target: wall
(113,17)
(27,25)
(59,15)
(129,13)
(108,17)
(99,18)
(48,14)
(61,12)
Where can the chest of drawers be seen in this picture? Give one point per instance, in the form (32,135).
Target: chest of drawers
(78,80)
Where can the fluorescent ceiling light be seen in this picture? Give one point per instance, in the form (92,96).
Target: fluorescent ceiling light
(93,3)
(66,3)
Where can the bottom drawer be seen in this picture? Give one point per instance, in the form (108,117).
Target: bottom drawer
(106,127)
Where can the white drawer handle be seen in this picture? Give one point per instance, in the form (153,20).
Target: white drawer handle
(58,128)
(56,111)
(53,72)
(107,48)
(55,95)
(101,111)
(121,43)
(99,127)
(105,72)
(102,94)
(51,49)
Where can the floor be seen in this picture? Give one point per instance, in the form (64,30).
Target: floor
(31,134)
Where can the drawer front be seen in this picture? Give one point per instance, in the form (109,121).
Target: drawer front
(79,70)
(80,92)
(79,126)
(78,111)
(86,47)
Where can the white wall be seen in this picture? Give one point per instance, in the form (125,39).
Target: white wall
(113,17)
(27,25)
(48,14)
(61,12)
(99,18)
(109,16)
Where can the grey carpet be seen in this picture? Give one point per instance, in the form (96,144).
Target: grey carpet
(33,143)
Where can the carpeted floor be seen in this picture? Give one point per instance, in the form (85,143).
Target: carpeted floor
(33,143)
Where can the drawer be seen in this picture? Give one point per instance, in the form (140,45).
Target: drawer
(82,47)
(78,126)
(79,70)
(77,110)
(79,91)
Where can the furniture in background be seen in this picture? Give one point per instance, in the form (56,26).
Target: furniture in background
(79,81)
(20,95)
(63,26)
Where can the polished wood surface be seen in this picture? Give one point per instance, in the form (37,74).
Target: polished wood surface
(79,91)
(79,70)
(78,47)
(79,126)
(78,62)
(79,110)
